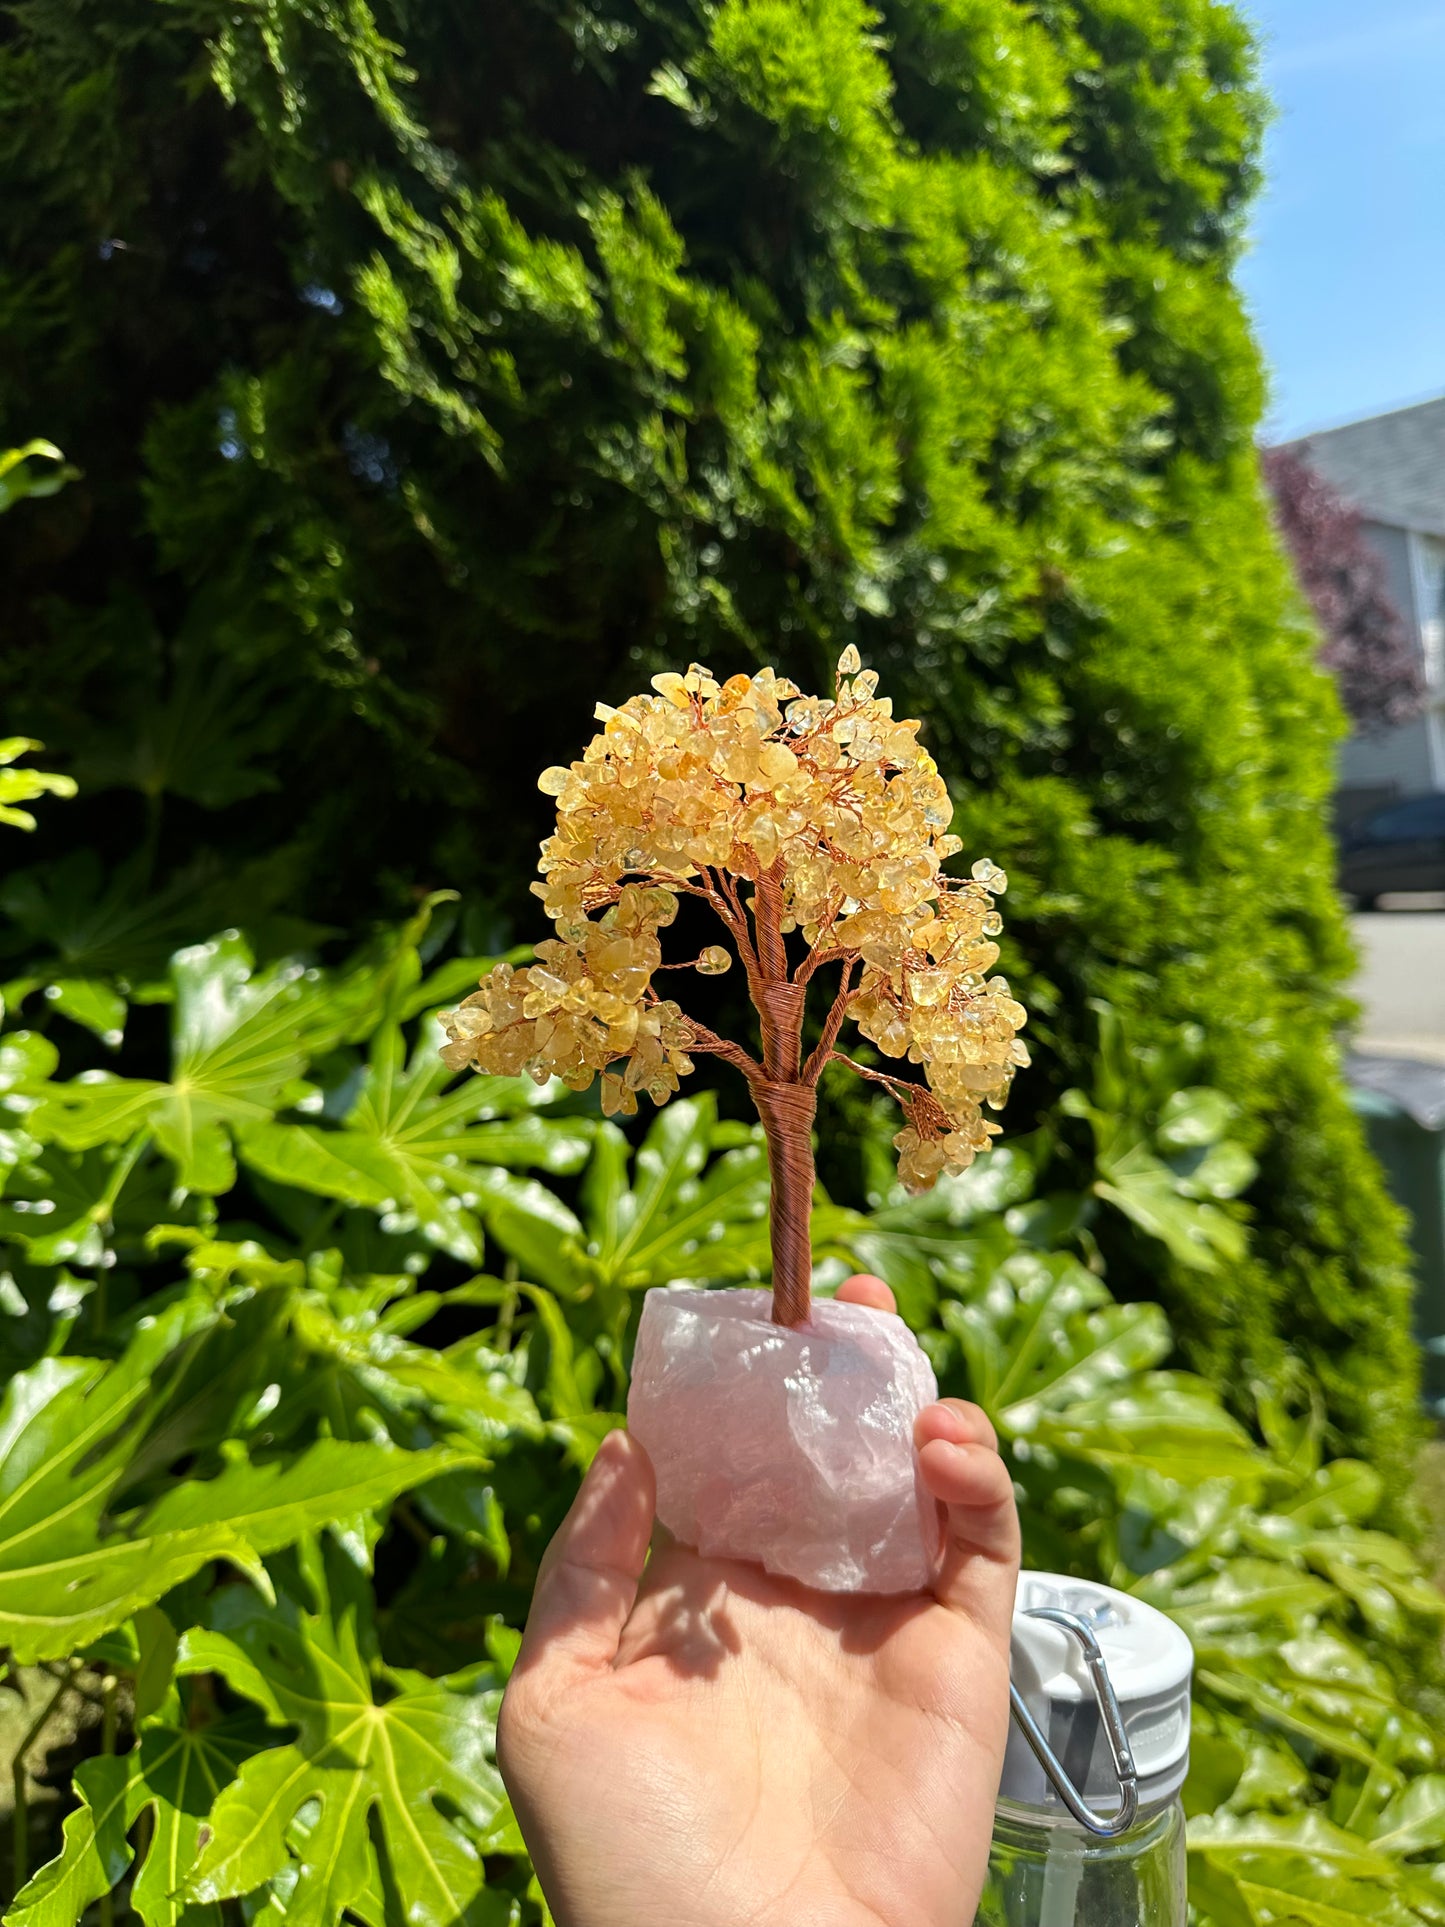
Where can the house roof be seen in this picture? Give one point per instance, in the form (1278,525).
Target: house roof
(1392,467)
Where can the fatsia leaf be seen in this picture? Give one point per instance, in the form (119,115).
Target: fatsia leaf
(61,1207)
(71,1568)
(209,733)
(35,469)
(1414,1821)
(1043,1336)
(1232,1838)
(1280,1889)
(1242,1594)
(425,1156)
(369,1740)
(359,1370)
(1199,1236)
(1345,1492)
(94,1853)
(91,921)
(1316,1686)
(1193,1118)
(92,1002)
(686,1214)
(239,1037)
(179,1773)
(684,1218)
(175,1772)
(1163,1422)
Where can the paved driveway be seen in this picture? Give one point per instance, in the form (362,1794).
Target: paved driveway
(1401,984)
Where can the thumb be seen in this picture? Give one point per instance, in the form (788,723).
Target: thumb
(959,1460)
(588,1578)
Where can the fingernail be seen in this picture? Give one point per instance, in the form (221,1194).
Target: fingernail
(944,1423)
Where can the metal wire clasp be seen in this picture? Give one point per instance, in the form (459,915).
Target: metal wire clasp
(1113,1729)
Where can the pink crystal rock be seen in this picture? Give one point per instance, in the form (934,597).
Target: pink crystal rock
(792,1448)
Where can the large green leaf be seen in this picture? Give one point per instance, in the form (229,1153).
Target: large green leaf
(1240,1593)
(207,733)
(1164,1422)
(1155,1197)
(686,1216)
(1279,1889)
(239,1039)
(360,1369)
(94,1852)
(1163,1158)
(424,1156)
(681,1218)
(1227,1838)
(71,1567)
(66,1207)
(1043,1334)
(173,1774)
(1414,1821)
(77,919)
(417,1753)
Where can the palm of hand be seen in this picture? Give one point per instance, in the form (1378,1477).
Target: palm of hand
(716,1747)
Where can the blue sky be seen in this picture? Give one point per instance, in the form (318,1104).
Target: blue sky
(1345,276)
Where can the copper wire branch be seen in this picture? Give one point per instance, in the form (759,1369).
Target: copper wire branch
(783,1088)
(816,960)
(768,925)
(704,1039)
(832,1024)
(905,1091)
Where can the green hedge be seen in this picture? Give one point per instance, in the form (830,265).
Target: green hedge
(438,370)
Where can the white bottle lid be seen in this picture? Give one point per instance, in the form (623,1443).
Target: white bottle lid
(1149,1662)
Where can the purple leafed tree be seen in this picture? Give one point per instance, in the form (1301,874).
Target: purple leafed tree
(1366,643)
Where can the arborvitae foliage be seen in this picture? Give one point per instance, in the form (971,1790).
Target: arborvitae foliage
(434,370)
(1365,640)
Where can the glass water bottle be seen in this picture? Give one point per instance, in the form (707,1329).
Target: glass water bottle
(1089,1830)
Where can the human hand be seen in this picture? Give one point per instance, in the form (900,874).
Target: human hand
(715,1747)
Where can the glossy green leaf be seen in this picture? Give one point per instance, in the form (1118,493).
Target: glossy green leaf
(369,1739)
(1232,1838)
(71,1567)
(156,1647)
(1245,1592)
(1414,1821)
(89,920)
(240,1037)
(92,1002)
(174,1775)
(32,471)
(420,1154)
(94,1854)
(1043,1335)
(359,1371)
(1345,1492)
(1198,1236)
(1279,1889)
(1192,1118)
(19,786)
(686,1215)
(1164,1422)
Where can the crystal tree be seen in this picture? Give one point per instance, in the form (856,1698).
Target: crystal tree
(816,832)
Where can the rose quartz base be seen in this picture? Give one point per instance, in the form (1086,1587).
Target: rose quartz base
(791,1448)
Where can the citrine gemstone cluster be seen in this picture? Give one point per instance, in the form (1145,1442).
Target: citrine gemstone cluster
(818,830)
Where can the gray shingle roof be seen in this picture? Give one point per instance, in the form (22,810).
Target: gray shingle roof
(1392,467)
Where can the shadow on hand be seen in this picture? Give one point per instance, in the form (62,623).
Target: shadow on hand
(696,1613)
